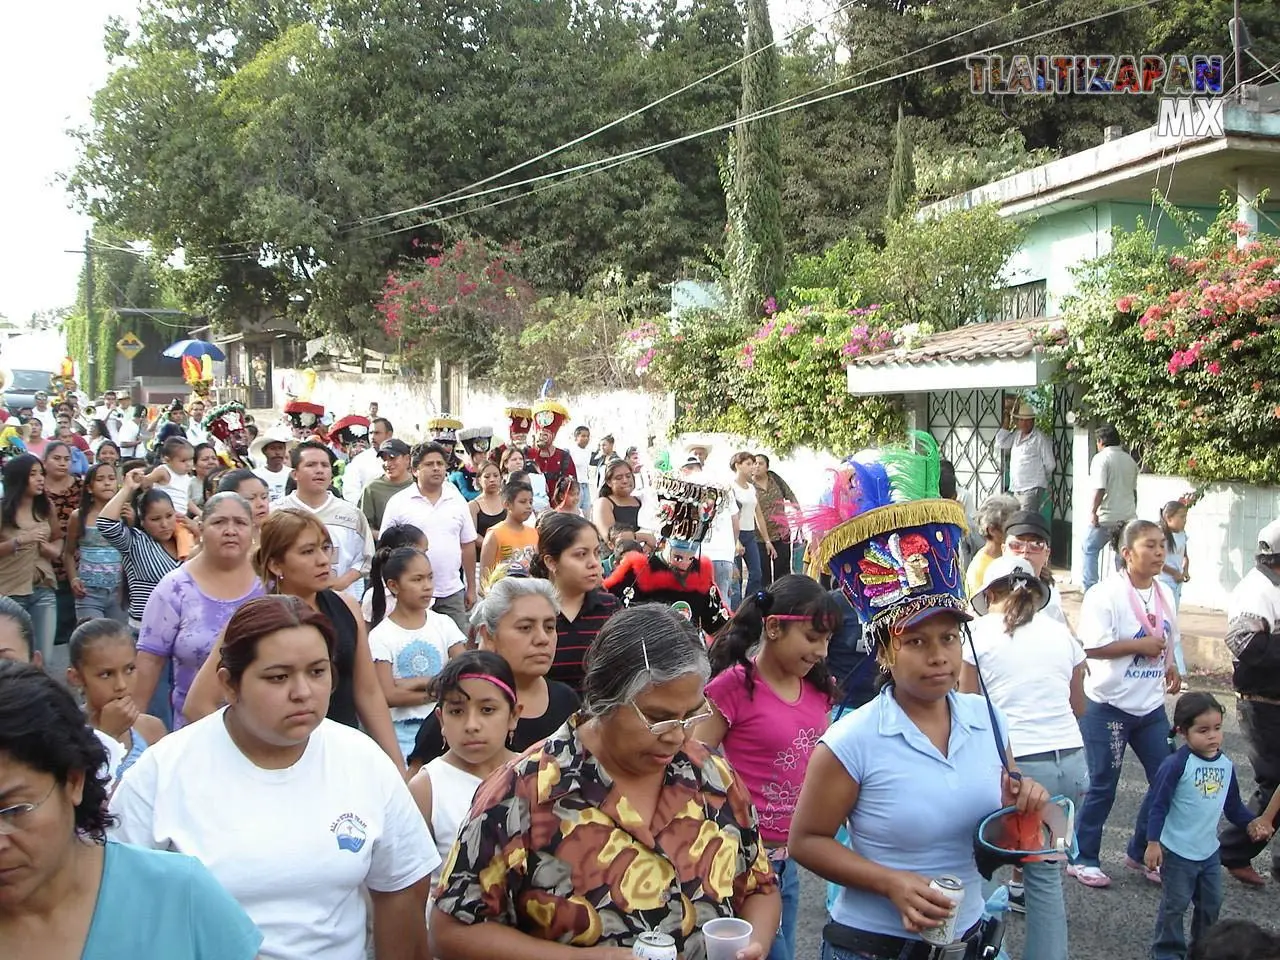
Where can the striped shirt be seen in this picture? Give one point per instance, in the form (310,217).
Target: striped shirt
(144,560)
(574,637)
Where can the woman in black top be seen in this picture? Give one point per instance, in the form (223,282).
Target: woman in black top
(516,620)
(487,509)
(294,558)
(616,505)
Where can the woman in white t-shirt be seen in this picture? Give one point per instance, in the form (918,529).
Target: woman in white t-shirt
(750,521)
(1129,628)
(294,814)
(1033,670)
(412,643)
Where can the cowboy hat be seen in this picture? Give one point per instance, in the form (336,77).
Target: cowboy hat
(1024,411)
(277,434)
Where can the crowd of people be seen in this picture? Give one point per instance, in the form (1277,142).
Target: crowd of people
(326,692)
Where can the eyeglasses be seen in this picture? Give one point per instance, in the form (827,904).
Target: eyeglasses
(663,727)
(9,816)
(1028,546)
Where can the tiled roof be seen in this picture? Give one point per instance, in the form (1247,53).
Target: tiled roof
(1006,340)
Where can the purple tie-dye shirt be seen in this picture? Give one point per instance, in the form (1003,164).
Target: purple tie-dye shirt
(182,624)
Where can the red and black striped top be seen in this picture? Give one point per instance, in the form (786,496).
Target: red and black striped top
(574,637)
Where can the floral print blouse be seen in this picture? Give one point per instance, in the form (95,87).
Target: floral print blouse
(64,504)
(552,848)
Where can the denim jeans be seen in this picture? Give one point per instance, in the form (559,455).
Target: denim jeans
(784,944)
(1185,882)
(1097,538)
(1107,732)
(100,602)
(42,604)
(722,573)
(829,952)
(750,560)
(1065,775)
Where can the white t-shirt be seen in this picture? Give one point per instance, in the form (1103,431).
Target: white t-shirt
(581,461)
(276,482)
(295,846)
(415,653)
(746,497)
(721,545)
(179,490)
(1132,684)
(1029,678)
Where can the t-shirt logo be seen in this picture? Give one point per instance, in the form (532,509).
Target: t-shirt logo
(1210,781)
(350,832)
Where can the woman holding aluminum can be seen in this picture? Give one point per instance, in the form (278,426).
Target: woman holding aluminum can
(618,826)
(913,772)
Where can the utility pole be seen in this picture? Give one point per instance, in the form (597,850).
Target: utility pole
(88,386)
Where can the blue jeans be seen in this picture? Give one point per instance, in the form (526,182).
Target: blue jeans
(101,602)
(1185,882)
(407,734)
(750,560)
(1097,538)
(784,944)
(1065,775)
(722,573)
(42,604)
(1107,732)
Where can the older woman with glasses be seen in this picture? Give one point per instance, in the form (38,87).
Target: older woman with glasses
(620,823)
(64,892)
(1026,537)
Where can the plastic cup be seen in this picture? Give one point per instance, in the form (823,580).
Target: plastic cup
(725,936)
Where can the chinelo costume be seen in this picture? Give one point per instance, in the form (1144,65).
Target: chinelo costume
(305,418)
(444,431)
(554,462)
(476,441)
(520,422)
(226,425)
(687,511)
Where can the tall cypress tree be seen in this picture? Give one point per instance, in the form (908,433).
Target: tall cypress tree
(754,246)
(902,179)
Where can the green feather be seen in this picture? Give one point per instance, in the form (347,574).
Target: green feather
(914,472)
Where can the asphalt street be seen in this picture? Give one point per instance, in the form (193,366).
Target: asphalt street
(1115,923)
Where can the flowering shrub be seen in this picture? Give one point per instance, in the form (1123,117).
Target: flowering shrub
(456,304)
(1177,348)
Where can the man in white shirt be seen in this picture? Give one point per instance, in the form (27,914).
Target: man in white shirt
(270,452)
(366,466)
(1031,460)
(581,455)
(435,507)
(347,526)
(1113,475)
(196,432)
(44,413)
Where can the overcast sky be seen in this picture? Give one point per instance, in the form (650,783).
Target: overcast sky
(51,61)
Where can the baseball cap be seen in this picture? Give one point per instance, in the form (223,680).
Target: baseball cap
(1269,538)
(393,448)
(1026,522)
(1013,570)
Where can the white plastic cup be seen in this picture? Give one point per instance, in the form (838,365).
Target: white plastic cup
(725,936)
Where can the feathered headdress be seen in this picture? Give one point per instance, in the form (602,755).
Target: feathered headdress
(888,539)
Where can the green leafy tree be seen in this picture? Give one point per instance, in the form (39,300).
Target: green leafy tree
(902,178)
(756,246)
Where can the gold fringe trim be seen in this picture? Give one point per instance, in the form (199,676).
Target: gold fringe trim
(882,520)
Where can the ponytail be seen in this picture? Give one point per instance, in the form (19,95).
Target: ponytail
(738,636)
(393,538)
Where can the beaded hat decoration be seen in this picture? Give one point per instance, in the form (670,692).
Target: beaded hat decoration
(890,542)
(221,422)
(686,510)
(444,428)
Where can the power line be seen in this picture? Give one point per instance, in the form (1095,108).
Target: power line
(776,110)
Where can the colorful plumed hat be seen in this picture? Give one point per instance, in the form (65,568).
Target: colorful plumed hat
(521,419)
(550,415)
(303,414)
(476,439)
(350,429)
(686,510)
(223,421)
(444,428)
(888,538)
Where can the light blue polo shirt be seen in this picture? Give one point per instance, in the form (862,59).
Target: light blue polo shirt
(156,905)
(916,809)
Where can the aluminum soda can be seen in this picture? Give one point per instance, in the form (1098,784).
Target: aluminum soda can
(953,890)
(654,946)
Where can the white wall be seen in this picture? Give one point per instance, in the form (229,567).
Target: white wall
(1222,528)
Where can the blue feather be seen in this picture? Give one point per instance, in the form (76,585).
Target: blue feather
(546,389)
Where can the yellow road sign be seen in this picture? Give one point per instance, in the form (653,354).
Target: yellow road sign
(129,346)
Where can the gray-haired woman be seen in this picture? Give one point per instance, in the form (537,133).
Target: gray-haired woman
(618,824)
(517,621)
(993,515)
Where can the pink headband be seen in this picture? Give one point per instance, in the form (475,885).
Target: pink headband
(788,616)
(494,680)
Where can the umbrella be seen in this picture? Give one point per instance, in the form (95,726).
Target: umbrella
(196,349)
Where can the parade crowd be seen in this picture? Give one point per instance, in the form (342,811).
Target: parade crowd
(305,690)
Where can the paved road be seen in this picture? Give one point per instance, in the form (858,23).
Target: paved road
(1111,924)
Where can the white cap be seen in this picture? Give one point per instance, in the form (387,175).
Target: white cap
(1005,568)
(1269,538)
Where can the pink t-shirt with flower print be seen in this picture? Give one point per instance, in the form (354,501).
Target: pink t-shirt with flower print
(769,743)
